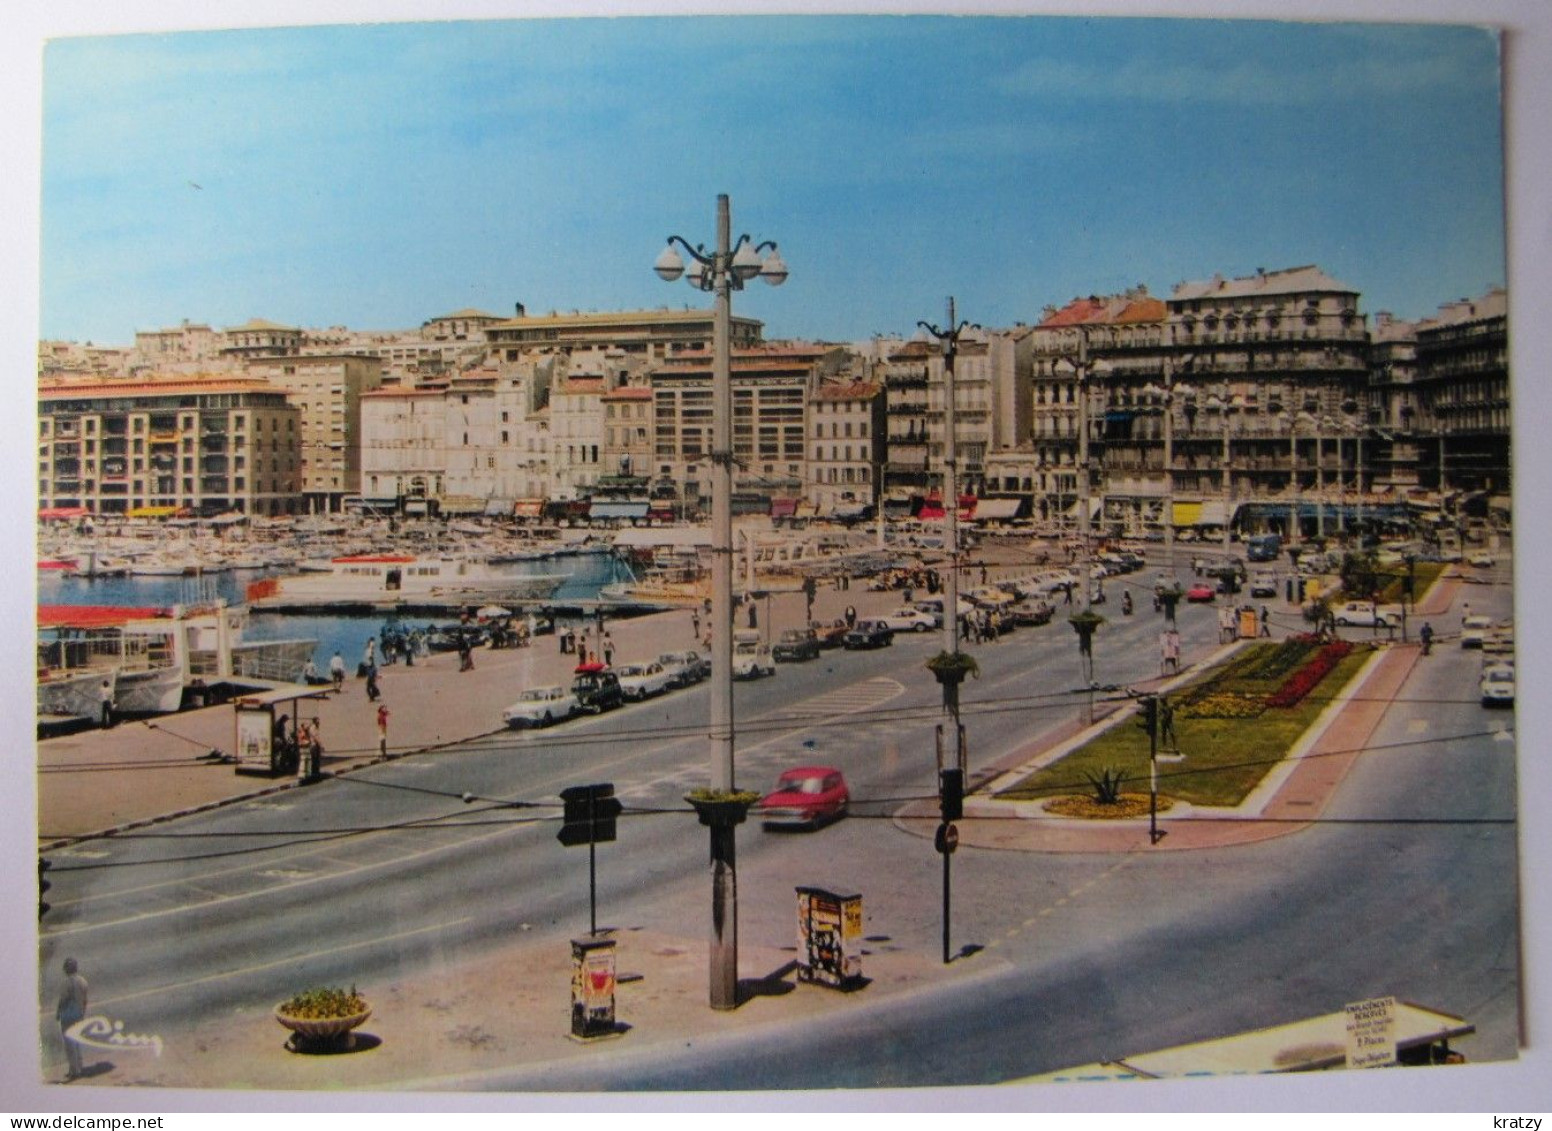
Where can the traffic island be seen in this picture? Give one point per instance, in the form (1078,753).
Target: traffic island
(1293,778)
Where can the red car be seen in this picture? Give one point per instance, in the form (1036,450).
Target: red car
(1199,594)
(806,797)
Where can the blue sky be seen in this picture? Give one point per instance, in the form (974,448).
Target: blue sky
(376,176)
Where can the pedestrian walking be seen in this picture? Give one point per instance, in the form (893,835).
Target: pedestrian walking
(337,670)
(1266,621)
(851,616)
(695,623)
(310,674)
(71,1008)
(1169,652)
(581,654)
(754,617)
(373,694)
(382,729)
(465,655)
(1225,624)
(105,700)
(369,657)
(608,650)
(1465,611)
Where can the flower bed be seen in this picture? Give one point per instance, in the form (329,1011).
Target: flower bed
(1223,705)
(1307,678)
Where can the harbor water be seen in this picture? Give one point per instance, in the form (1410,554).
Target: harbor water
(586,573)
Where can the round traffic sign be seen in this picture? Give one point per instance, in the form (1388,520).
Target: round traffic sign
(947,839)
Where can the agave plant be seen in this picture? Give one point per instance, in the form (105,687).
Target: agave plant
(1107,784)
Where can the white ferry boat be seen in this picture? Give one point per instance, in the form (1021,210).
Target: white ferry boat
(376,577)
(149,655)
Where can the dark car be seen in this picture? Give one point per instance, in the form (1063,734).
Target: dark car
(868,634)
(1027,613)
(806,797)
(830,633)
(597,688)
(796,644)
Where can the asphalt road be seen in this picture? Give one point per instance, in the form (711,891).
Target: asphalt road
(1407,888)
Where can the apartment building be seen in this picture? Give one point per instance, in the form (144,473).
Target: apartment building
(213,444)
(770,433)
(653,335)
(328,389)
(474,443)
(1462,384)
(848,429)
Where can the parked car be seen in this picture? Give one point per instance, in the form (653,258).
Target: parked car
(1474,630)
(990,597)
(868,634)
(751,656)
(1499,642)
(909,620)
(1497,685)
(685,668)
(796,645)
(1027,613)
(1263,583)
(641,681)
(540,706)
(933,607)
(1364,614)
(1480,558)
(1200,593)
(806,797)
(830,632)
(596,688)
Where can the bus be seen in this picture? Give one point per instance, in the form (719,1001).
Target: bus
(1263,547)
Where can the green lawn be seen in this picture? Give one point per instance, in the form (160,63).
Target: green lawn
(1225,757)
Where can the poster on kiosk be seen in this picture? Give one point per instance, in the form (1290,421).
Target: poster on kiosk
(255,733)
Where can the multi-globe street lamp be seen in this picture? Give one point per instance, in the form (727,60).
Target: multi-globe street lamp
(721,271)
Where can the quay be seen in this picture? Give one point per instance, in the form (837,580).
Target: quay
(100,782)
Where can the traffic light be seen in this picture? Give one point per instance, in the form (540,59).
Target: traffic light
(589,814)
(1148,721)
(951,793)
(43,885)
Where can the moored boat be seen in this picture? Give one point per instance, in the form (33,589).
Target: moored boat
(402,576)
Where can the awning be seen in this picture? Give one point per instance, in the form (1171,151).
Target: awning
(498,506)
(228,519)
(783,508)
(1095,506)
(60,514)
(618,510)
(151,512)
(849,510)
(1187,514)
(461,504)
(1213,513)
(95,616)
(528,508)
(998,509)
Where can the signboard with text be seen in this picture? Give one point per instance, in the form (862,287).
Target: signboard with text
(1371,1033)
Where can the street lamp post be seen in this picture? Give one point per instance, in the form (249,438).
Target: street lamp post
(950,340)
(721,272)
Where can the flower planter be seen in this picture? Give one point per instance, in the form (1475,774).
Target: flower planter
(314,1033)
(723,810)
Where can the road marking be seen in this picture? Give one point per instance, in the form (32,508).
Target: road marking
(289,961)
(1417,726)
(826,708)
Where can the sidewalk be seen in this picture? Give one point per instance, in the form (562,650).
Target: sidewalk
(467,1024)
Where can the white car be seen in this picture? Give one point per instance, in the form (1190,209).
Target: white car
(1481,559)
(1474,630)
(685,668)
(751,656)
(1363,613)
(1497,685)
(541,706)
(910,620)
(642,681)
